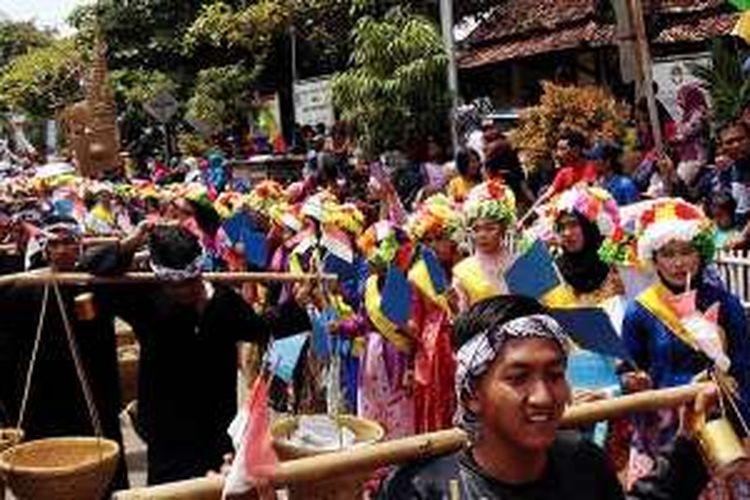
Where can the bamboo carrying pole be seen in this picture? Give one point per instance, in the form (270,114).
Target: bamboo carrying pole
(398,451)
(89,241)
(35,278)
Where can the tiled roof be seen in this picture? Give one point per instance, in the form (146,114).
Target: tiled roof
(687,5)
(513,17)
(697,28)
(523,28)
(589,35)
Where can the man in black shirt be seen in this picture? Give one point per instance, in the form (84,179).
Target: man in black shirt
(512,394)
(188,330)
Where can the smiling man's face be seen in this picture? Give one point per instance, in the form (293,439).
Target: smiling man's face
(522,397)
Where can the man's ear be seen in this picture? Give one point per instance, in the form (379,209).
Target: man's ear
(474,405)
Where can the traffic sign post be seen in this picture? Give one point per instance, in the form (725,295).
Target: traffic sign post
(163,107)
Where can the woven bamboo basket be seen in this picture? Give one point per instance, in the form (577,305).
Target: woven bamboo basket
(343,488)
(10,436)
(75,468)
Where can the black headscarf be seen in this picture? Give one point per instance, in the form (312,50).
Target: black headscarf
(583,270)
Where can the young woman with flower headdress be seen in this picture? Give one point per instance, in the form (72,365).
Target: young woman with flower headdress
(437,227)
(387,356)
(489,210)
(583,217)
(682,326)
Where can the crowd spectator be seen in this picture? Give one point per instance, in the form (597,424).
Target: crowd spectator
(606,157)
(722,210)
(469,167)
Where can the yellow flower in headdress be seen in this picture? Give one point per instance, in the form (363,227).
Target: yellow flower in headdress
(438,217)
(148,191)
(345,216)
(265,195)
(492,200)
(228,203)
(61,180)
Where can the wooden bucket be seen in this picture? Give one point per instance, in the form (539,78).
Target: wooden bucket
(348,487)
(75,468)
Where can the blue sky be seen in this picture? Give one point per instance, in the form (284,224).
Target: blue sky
(50,13)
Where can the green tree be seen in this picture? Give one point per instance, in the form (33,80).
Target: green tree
(221,97)
(725,82)
(396,88)
(43,80)
(17,38)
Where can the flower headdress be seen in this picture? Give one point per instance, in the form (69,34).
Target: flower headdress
(491,200)
(653,224)
(383,244)
(595,204)
(672,219)
(344,216)
(438,216)
(265,195)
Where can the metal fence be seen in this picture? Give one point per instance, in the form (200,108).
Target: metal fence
(734,269)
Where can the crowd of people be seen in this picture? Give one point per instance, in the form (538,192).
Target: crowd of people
(419,330)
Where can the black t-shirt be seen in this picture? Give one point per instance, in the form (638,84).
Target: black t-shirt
(576,470)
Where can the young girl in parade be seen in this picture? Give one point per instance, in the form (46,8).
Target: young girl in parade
(469,167)
(386,364)
(682,327)
(437,227)
(489,210)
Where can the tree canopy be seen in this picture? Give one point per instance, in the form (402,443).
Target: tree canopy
(214,54)
(17,38)
(43,80)
(397,77)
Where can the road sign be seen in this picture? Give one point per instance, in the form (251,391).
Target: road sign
(162,106)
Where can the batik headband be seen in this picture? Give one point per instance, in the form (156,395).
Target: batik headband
(475,357)
(191,271)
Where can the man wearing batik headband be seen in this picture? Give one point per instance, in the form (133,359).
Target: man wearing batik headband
(188,330)
(512,393)
(489,210)
(386,365)
(59,243)
(56,405)
(683,325)
(437,226)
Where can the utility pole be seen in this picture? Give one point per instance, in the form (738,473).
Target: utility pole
(293,39)
(644,58)
(446,18)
